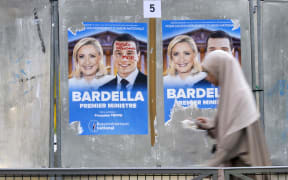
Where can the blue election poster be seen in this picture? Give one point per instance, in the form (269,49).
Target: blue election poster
(107,78)
(185,44)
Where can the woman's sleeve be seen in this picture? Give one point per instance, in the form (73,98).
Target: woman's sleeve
(226,150)
(212,131)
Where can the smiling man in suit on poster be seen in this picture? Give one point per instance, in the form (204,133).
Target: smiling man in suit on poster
(126,54)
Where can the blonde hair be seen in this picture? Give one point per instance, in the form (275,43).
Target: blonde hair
(101,71)
(179,39)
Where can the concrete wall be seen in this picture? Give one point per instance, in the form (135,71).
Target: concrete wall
(25,83)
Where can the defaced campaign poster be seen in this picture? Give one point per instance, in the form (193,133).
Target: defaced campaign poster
(107,78)
(185,44)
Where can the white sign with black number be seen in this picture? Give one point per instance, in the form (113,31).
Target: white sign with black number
(152,8)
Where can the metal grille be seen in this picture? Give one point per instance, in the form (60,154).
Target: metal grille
(265,173)
(259,173)
(107,174)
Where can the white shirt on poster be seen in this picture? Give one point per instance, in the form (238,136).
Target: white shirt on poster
(130,78)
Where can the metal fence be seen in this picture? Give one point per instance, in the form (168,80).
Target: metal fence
(270,173)
(108,174)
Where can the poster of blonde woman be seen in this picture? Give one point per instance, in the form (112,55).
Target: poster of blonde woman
(108,78)
(185,44)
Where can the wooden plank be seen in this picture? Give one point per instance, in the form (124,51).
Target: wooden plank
(152,77)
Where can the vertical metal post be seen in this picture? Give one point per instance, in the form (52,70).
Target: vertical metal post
(260,60)
(260,44)
(252,39)
(257,84)
(55,56)
(52,59)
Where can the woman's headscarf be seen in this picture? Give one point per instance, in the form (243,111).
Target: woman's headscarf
(236,111)
(236,108)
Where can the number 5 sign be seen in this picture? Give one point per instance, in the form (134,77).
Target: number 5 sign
(152,8)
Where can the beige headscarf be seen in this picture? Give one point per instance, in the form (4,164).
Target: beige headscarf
(236,108)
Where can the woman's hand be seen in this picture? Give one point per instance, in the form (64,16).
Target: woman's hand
(204,123)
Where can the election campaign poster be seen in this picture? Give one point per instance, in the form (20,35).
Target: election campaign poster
(185,44)
(107,78)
